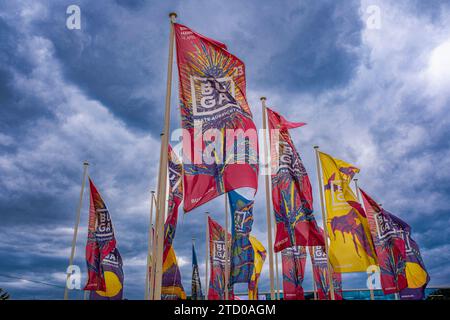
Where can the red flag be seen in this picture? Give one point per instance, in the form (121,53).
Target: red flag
(214,112)
(217,261)
(389,245)
(293,262)
(291,190)
(101,251)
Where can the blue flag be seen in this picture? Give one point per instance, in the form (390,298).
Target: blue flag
(242,254)
(196,289)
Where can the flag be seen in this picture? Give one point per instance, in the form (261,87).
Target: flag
(293,262)
(214,111)
(389,246)
(320,274)
(242,255)
(260,257)
(104,263)
(196,289)
(175,170)
(291,190)
(217,261)
(416,274)
(171,288)
(351,247)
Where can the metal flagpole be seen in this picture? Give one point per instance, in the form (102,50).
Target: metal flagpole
(153,252)
(227,266)
(324,221)
(358,196)
(269,221)
(162,180)
(77,223)
(206,255)
(150,245)
(313,280)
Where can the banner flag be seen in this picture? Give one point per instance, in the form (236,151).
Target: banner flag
(242,255)
(260,256)
(291,190)
(293,264)
(351,247)
(104,263)
(416,274)
(320,274)
(389,245)
(171,288)
(217,262)
(196,288)
(214,113)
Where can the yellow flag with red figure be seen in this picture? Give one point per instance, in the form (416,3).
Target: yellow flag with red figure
(351,247)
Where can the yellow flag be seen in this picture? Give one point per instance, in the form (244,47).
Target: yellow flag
(351,247)
(171,288)
(260,257)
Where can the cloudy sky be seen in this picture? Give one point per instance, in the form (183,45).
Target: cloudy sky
(373,92)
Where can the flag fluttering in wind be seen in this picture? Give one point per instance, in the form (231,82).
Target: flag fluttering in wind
(171,288)
(242,255)
(351,247)
(389,245)
(291,190)
(260,256)
(320,274)
(196,288)
(416,273)
(217,256)
(104,263)
(293,262)
(214,108)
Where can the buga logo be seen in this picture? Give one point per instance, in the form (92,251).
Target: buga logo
(104,221)
(319,254)
(211,96)
(219,251)
(288,160)
(337,195)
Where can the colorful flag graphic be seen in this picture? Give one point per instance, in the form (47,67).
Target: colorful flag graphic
(389,246)
(217,261)
(196,289)
(351,247)
(172,288)
(260,257)
(242,255)
(291,190)
(213,101)
(320,273)
(104,263)
(293,264)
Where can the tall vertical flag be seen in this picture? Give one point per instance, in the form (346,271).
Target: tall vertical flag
(416,273)
(293,262)
(196,288)
(389,246)
(320,274)
(104,263)
(291,190)
(351,248)
(217,257)
(260,256)
(172,288)
(242,255)
(213,106)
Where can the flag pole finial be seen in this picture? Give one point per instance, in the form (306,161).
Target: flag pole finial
(316,147)
(263,98)
(173,16)
(85,163)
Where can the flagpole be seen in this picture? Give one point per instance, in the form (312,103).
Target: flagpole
(206,255)
(150,245)
(153,254)
(324,222)
(162,180)
(313,280)
(77,223)
(269,221)
(358,196)
(227,266)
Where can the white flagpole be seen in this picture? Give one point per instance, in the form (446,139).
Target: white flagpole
(227,262)
(75,230)
(324,221)
(313,280)
(269,220)
(358,196)
(206,255)
(162,180)
(150,245)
